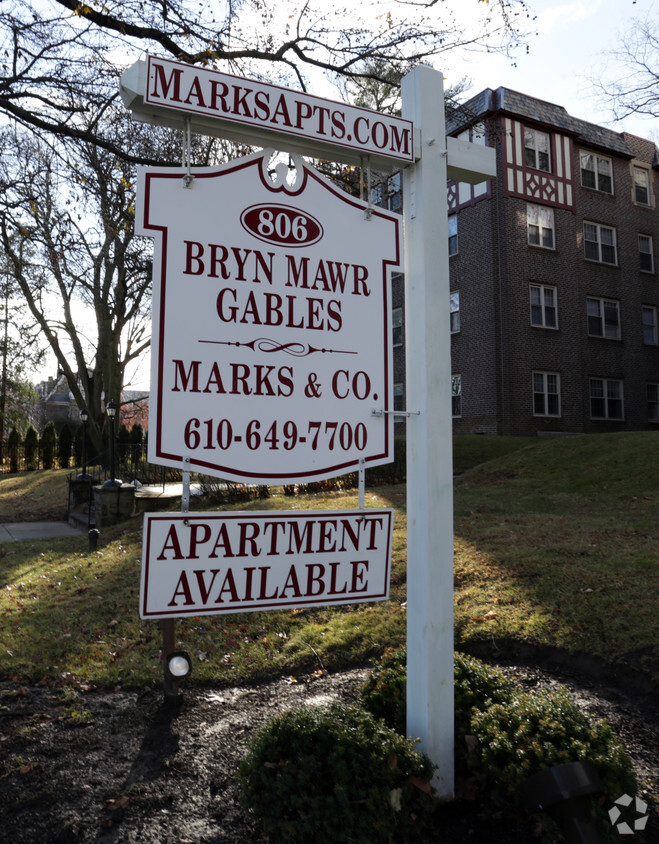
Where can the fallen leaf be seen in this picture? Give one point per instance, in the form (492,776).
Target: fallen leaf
(422,785)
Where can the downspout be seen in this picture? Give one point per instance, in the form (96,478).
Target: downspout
(500,273)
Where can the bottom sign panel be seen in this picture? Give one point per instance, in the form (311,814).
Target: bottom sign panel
(209,563)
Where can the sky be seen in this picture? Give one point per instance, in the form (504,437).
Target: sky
(573,38)
(570,47)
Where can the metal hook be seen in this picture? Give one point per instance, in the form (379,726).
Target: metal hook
(369,210)
(187,154)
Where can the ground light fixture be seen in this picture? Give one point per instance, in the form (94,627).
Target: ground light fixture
(565,792)
(178,666)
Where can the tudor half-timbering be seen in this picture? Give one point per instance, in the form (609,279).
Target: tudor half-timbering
(554,292)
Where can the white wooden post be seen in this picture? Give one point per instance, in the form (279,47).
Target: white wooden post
(429,435)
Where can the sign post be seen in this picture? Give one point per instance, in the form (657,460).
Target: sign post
(250,267)
(430,676)
(429,434)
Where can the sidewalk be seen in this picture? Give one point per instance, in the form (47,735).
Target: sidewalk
(21,531)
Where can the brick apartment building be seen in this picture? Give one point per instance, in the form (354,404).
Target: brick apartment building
(554,291)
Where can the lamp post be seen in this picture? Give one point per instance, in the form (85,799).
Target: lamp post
(84,475)
(111,410)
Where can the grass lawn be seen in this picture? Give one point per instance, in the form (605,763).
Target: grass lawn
(556,544)
(33,496)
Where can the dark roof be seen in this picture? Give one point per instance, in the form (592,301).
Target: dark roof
(539,111)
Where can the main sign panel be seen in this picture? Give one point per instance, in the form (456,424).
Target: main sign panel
(271,323)
(210,563)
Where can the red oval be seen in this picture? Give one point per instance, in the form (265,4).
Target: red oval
(281,225)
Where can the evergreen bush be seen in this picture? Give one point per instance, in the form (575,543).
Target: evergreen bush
(64,447)
(504,735)
(532,732)
(48,444)
(13,444)
(123,444)
(31,445)
(336,774)
(477,685)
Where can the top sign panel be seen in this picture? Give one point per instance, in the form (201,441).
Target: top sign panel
(253,112)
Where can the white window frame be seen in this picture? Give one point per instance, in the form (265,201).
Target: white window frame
(603,317)
(546,393)
(540,226)
(608,387)
(537,144)
(643,240)
(396,327)
(650,326)
(454,311)
(453,235)
(600,242)
(456,396)
(652,394)
(543,306)
(637,170)
(600,164)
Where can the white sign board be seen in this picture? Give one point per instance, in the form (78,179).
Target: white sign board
(166,92)
(271,339)
(211,563)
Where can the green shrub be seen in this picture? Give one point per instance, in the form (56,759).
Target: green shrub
(13,444)
(335,774)
(123,444)
(515,734)
(476,686)
(31,445)
(532,732)
(384,693)
(48,444)
(137,434)
(64,447)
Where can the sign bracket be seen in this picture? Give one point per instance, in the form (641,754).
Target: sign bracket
(378,411)
(187,154)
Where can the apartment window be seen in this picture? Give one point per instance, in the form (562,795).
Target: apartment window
(600,243)
(544,312)
(540,226)
(395,193)
(399,397)
(387,194)
(650,332)
(641,185)
(397,326)
(546,394)
(455,312)
(653,402)
(456,395)
(605,399)
(453,234)
(596,172)
(603,318)
(645,253)
(536,149)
